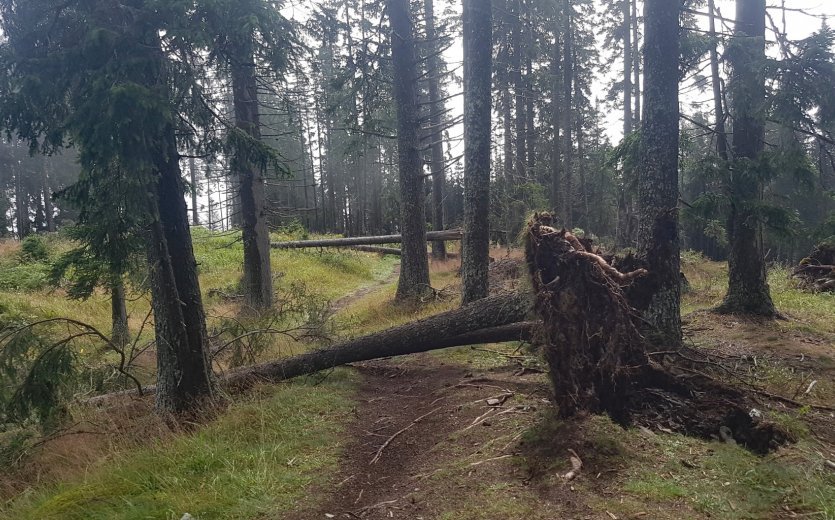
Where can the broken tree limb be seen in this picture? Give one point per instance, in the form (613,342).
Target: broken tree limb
(431,236)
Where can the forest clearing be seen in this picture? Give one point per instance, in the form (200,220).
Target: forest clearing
(420,259)
(487,444)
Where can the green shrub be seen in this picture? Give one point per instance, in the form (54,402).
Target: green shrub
(34,249)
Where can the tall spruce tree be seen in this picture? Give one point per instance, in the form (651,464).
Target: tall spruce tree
(414,263)
(478,43)
(103,79)
(748,291)
(658,237)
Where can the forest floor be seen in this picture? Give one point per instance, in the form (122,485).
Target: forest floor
(469,433)
(462,434)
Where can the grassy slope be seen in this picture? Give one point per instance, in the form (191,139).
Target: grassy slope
(256,457)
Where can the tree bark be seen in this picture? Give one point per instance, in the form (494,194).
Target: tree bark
(183,367)
(24,224)
(748,291)
(447,234)
(436,119)
(568,114)
(490,320)
(120,335)
(556,123)
(658,237)
(195,211)
(636,67)
(530,114)
(49,208)
(721,136)
(494,319)
(414,264)
(257,280)
(478,52)
(626,28)
(519,90)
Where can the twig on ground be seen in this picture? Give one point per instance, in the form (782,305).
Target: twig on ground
(398,433)
(490,460)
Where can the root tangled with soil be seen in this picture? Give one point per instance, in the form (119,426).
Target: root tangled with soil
(817,271)
(597,356)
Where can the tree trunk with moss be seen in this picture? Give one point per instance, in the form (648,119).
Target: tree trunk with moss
(436,137)
(658,236)
(414,263)
(478,49)
(257,280)
(748,291)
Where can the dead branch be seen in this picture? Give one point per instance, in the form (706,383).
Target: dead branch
(398,433)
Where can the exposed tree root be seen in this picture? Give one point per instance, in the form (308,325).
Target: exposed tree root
(598,359)
(817,271)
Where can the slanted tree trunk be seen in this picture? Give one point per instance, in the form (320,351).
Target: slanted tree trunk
(257,280)
(195,211)
(516,53)
(748,291)
(414,264)
(658,236)
(447,234)
(493,319)
(436,119)
(478,51)
(556,123)
(183,368)
(567,181)
(721,136)
(49,208)
(626,29)
(120,334)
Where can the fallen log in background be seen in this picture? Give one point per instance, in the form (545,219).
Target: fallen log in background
(431,236)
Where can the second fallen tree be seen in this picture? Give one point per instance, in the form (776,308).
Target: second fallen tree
(449,234)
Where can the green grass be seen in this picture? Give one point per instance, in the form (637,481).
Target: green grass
(810,312)
(257,459)
(322,276)
(725,481)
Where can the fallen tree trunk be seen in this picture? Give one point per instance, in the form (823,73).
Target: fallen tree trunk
(431,236)
(421,336)
(495,319)
(377,249)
